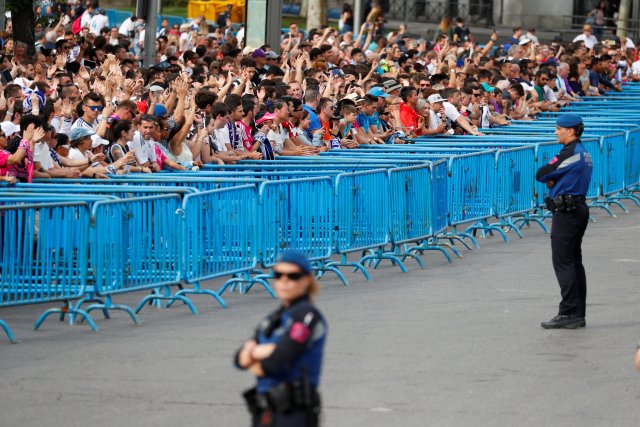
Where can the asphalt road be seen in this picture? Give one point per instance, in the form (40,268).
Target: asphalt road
(451,345)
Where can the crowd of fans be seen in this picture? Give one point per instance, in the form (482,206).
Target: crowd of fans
(85,105)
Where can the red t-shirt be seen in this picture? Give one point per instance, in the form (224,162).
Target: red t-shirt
(245,135)
(326,126)
(409,117)
(290,128)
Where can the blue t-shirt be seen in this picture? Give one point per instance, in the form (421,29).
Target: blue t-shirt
(314,121)
(364,121)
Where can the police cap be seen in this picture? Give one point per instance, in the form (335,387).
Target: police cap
(297,258)
(569,121)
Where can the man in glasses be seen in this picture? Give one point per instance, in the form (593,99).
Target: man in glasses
(92,109)
(541,80)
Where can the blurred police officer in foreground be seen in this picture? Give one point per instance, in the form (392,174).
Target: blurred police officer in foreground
(568,175)
(286,351)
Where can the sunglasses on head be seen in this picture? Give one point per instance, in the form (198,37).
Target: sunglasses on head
(95,107)
(297,275)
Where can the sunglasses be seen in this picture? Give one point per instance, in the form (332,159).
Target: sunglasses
(293,276)
(476,94)
(95,107)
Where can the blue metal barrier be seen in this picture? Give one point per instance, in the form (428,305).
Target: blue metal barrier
(221,238)
(296,214)
(44,249)
(472,180)
(136,245)
(515,187)
(361,215)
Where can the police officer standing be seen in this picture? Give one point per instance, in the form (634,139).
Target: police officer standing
(286,351)
(568,175)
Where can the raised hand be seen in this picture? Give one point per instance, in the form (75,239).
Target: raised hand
(67,108)
(38,135)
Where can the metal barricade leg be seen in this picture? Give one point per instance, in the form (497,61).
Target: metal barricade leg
(71,311)
(626,195)
(8,331)
(166,295)
(89,297)
(485,228)
(320,267)
(454,235)
(432,245)
(245,278)
(615,200)
(108,305)
(599,204)
(344,262)
(526,219)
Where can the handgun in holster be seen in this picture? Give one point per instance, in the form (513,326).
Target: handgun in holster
(256,403)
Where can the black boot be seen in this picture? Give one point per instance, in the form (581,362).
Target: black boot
(564,322)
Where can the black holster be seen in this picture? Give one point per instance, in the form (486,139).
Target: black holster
(256,402)
(285,398)
(563,203)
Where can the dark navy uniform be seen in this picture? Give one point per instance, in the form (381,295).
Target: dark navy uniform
(287,394)
(569,174)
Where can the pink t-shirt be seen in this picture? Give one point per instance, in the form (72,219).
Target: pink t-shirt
(160,156)
(4,156)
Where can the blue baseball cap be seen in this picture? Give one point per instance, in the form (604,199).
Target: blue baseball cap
(159,110)
(79,133)
(378,91)
(294,257)
(569,121)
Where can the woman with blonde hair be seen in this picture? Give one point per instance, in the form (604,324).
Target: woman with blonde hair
(286,351)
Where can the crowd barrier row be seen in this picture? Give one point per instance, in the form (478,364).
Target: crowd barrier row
(86,244)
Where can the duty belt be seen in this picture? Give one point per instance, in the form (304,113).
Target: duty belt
(563,203)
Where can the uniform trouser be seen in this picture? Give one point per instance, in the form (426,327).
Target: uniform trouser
(567,230)
(301,418)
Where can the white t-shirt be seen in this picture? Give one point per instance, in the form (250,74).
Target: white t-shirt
(451,112)
(75,154)
(220,138)
(484,120)
(186,39)
(97,23)
(635,68)
(549,94)
(85,18)
(277,139)
(589,42)
(434,120)
(42,155)
(84,124)
(126,28)
(142,148)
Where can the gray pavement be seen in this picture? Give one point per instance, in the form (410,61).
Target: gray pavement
(451,345)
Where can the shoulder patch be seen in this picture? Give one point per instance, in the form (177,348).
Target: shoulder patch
(299,332)
(552,161)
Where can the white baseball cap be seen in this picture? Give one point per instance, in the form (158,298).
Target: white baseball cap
(435,98)
(8,128)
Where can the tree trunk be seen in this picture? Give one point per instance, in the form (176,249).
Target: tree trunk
(303,8)
(623,15)
(24,22)
(316,14)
